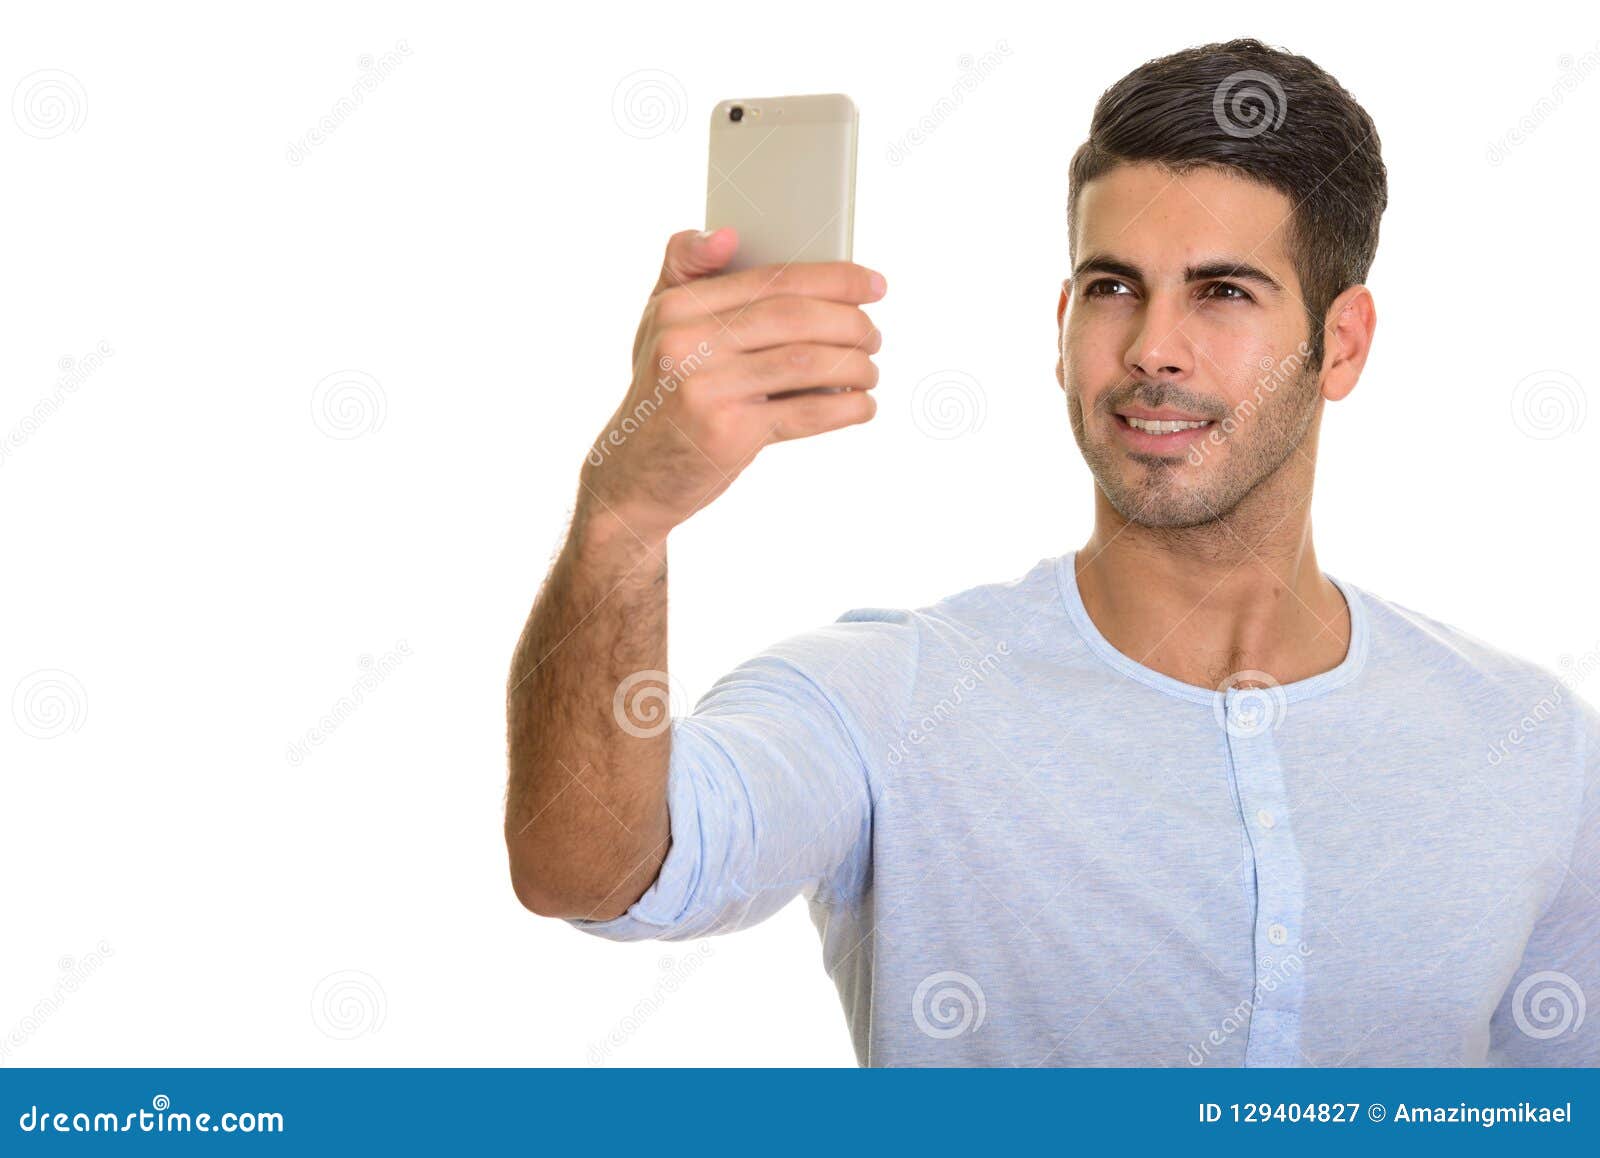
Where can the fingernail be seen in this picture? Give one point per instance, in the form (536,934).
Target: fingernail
(705,233)
(877,283)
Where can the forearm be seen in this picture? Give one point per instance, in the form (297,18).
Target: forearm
(586,808)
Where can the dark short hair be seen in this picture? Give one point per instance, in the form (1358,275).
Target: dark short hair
(1271,116)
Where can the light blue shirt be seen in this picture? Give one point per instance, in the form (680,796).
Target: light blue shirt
(1022,847)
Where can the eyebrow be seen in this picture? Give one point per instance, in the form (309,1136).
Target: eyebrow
(1221,269)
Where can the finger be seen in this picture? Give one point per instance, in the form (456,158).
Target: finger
(694,254)
(838,281)
(810,414)
(802,366)
(785,321)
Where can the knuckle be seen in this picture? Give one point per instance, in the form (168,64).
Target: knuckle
(673,345)
(670,303)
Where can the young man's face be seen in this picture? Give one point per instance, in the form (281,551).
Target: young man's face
(1163,318)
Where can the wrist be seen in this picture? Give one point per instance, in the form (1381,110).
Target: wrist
(603,529)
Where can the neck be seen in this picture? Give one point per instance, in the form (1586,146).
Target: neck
(1202,604)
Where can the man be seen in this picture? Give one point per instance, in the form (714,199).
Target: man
(1177,797)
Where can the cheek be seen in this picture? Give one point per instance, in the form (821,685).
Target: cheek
(1241,348)
(1093,349)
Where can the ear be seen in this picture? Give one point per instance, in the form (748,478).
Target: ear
(1061,337)
(1348,330)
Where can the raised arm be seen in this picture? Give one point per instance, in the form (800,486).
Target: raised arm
(715,362)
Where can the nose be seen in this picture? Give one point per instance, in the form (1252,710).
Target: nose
(1158,346)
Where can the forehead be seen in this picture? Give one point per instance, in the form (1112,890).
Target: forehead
(1161,220)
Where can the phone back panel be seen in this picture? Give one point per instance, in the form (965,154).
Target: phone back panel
(784,176)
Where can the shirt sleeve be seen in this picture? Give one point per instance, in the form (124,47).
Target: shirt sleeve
(772,777)
(1550,1014)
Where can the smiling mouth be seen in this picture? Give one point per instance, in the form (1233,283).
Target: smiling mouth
(1162,426)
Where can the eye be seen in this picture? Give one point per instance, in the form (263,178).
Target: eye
(1101,288)
(1214,291)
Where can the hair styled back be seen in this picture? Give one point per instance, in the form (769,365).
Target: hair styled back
(1272,117)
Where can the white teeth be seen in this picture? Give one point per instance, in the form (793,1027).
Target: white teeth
(1163,427)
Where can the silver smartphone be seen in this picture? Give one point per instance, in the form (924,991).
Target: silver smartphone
(783,173)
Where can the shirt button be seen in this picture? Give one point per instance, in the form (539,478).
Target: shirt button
(1266,818)
(1277,934)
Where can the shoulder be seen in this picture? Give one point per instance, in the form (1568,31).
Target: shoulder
(882,651)
(1436,657)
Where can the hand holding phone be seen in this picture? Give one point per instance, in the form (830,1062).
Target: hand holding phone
(717,363)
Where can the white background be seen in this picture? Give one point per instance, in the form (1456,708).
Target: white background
(200,565)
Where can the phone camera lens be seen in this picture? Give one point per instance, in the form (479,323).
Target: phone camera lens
(736,113)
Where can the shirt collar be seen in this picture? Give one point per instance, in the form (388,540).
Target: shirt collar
(1355,657)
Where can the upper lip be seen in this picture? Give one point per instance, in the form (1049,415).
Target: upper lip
(1164,414)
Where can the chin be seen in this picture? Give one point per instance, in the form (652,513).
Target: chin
(1166,511)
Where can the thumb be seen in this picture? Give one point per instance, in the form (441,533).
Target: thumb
(695,254)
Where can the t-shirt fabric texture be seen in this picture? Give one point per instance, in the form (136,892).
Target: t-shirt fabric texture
(1021,847)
